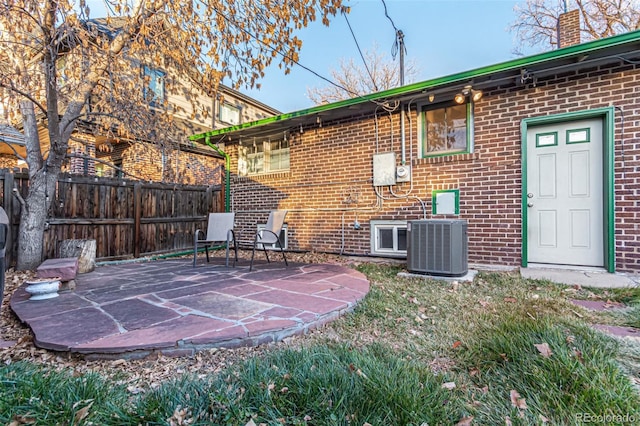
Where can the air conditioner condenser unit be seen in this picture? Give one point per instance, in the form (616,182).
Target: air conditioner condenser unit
(437,247)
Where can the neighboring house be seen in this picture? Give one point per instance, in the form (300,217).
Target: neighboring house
(540,156)
(175,160)
(185,162)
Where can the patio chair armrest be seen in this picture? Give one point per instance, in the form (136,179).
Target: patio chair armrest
(196,238)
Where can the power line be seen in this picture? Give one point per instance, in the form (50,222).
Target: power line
(398,34)
(384,105)
(239,27)
(375,86)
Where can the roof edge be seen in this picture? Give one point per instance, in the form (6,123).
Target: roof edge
(538,58)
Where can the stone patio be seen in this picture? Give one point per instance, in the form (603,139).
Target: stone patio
(135,309)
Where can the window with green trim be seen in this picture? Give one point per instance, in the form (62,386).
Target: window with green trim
(263,157)
(446,129)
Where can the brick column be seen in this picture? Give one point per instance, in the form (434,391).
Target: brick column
(569,28)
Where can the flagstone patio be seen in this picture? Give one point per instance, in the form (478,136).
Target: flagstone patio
(131,310)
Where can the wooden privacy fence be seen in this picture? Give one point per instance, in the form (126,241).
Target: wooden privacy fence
(128,219)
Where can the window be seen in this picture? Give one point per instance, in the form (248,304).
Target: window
(447,129)
(229,113)
(389,238)
(117,169)
(282,238)
(263,157)
(153,90)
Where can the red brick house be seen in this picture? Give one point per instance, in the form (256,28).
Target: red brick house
(539,155)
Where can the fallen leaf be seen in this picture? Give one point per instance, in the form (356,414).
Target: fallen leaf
(134,389)
(544,349)
(465,421)
(543,419)
(507,421)
(449,385)
(578,354)
(516,401)
(611,304)
(510,299)
(22,420)
(483,303)
(83,412)
(504,357)
(250,423)
(456,344)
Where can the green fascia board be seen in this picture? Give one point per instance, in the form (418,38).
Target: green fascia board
(540,58)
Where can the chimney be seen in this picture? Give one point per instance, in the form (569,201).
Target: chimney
(569,28)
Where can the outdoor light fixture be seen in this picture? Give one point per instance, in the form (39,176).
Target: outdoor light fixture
(476,95)
(461,97)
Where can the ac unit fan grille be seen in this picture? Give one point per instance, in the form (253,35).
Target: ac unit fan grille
(437,247)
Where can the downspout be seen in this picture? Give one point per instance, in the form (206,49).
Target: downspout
(227,175)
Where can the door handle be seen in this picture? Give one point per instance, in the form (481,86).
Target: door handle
(529,204)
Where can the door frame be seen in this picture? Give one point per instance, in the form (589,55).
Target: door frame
(607,115)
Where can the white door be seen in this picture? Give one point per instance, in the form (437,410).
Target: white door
(565,222)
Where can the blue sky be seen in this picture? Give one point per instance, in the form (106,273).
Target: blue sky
(443,37)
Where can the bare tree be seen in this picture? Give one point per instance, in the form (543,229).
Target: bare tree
(536,24)
(354,79)
(60,67)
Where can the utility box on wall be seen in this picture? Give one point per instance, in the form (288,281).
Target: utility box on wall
(384,169)
(437,247)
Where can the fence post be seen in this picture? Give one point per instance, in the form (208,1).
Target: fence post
(137,208)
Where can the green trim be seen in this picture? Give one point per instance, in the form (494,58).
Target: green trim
(542,135)
(434,207)
(469,131)
(227,176)
(571,131)
(608,142)
(515,64)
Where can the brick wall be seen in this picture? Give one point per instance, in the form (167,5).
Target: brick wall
(8,161)
(329,184)
(145,162)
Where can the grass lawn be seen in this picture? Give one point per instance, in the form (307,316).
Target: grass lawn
(500,350)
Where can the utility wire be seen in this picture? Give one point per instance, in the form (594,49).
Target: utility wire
(239,27)
(375,86)
(398,33)
(355,95)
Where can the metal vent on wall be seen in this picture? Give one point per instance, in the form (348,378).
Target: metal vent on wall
(437,247)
